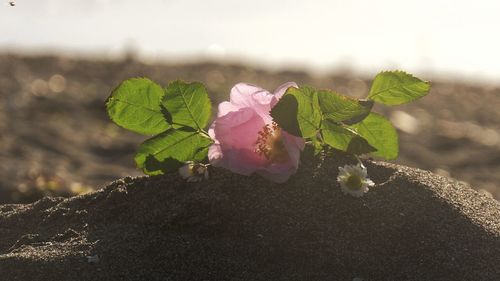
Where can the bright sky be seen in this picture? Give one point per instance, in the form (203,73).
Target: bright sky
(440,36)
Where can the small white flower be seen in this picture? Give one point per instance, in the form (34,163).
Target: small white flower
(193,171)
(354,180)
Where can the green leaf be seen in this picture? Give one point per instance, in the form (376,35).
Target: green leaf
(380,134)
(298,112)
(344,139)
(188,104)
(397,87)
(317,145)
(339,108)
(135,105)
(285,114)
(167,151)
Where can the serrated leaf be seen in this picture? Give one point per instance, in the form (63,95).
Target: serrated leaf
(397,87)
(358,145)
(135,105)
(380,134)
(285,114)
(344,139)
(339,108)
(167,151)
(298,112)
(188,104)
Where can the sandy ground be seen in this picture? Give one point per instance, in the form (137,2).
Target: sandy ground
(55,137)
(413,225)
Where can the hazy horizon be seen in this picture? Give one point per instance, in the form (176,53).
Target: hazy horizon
(439,37)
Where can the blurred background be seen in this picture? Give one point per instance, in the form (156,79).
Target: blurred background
(59,60)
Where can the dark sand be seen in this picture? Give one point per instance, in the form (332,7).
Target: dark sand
(413,225)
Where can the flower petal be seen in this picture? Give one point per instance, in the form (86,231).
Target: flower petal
(242,95)
(211,133)
(214,153)
(226,107)
(238,129)
(358,170)
(236,134)
(280,177)
(243,161)
(294,145)
(281,90)
(247,95)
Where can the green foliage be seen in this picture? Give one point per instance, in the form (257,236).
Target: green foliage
(344,138)
(397,87)
(317,145)
(339,108)
(178,115)
(306,112)
(135,105)
(171,149)
(345,123)
(379,133)
(298,112)
(188,104)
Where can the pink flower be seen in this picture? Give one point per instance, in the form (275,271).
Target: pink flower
(246,138)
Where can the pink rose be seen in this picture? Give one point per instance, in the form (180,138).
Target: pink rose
(246,138)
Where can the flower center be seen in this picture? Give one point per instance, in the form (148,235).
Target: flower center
(270,144)
(354,182)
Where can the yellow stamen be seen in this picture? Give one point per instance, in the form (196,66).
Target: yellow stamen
(270,144)
(354,182)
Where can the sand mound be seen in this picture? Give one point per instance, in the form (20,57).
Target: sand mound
(413,225)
